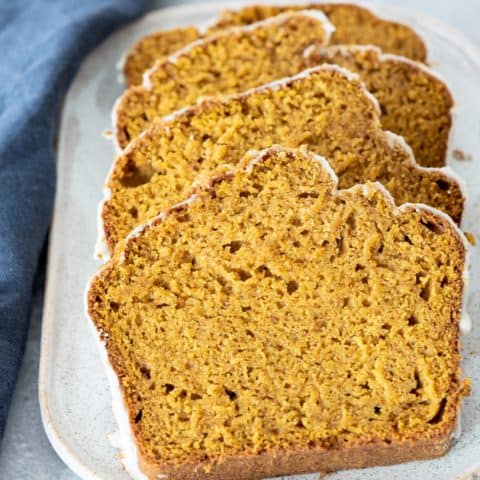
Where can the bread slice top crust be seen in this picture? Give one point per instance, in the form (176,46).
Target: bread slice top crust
(414,101)
(225,63)
(272,324)
(325,108)
(354,25)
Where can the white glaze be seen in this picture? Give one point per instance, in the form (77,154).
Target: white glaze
(258,156)
(395,140)
(278,19)
(179,112)
(316,14)
(465,324)
(347,49)
(128,447)
(421,66)
(147,76)
(114,118)
(140,229)
(206,25)
(101,251)
(457,432)
(274,85)
(361,3)
(73,359)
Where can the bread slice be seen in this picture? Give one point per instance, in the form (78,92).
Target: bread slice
(354,25)
(225,63)
(324,108)
(414,101)
(273,325)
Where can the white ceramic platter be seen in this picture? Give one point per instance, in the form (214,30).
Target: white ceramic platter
(74,396)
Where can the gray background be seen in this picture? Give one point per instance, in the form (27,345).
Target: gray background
(26,453)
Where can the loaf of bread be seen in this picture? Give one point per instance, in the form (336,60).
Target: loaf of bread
(354,25)
(274,324)
(324,108)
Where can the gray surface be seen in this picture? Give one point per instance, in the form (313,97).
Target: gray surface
(26,453)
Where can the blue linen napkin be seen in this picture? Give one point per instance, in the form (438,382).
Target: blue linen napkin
(42,43)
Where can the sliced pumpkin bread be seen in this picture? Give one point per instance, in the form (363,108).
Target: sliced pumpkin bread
(325,108)
(273,324)
(225,63)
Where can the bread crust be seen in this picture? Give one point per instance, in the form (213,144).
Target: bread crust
(296,461)
(448,98)
(278,43)
(164,42)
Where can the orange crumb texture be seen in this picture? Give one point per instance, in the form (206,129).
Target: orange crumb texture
(414,103)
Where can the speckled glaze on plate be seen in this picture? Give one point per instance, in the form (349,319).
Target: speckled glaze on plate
(74,397)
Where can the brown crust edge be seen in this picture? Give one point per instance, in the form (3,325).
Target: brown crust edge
(273,464)
(120,108)
(449,101)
